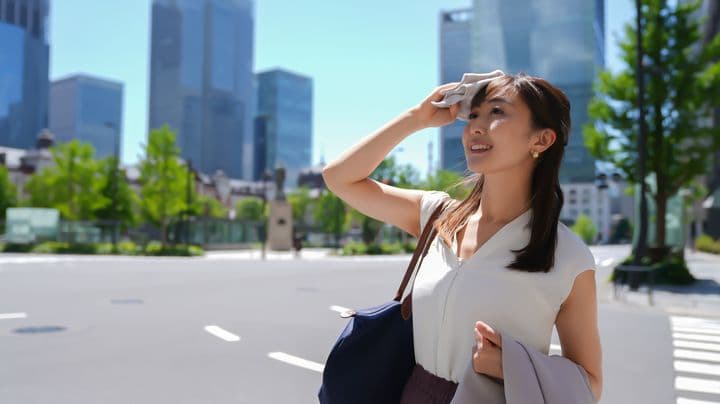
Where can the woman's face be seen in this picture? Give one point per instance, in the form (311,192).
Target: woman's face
(501,125)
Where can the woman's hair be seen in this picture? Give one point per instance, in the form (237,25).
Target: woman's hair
(549,108)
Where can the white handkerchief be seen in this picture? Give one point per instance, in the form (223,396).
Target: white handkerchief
(464,92)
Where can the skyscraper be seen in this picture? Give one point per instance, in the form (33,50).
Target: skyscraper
(284,123)
(455,33)
(88,109)
(566,48)
(24,58)
(201,80)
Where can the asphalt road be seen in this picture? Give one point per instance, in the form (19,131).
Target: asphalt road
(236,330)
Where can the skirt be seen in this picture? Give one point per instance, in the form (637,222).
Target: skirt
(424,387)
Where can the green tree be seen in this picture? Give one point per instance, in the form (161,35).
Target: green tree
(121,202)
(331,215)
(681,87)
(585,228)
(250,209)
(300,201)
(448,181)
(215,208)
(72,185)
(163,180)
(8,192)
(392,173)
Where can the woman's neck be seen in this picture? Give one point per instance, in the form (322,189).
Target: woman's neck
(504,197)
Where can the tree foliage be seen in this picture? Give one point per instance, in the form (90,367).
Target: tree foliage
(682,86)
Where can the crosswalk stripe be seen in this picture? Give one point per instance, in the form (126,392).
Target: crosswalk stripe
(682,400)
(695,321)
(696,330)
(697,367)
(696,355)
(701,358)
(697,385)
(697,345)
(696,337)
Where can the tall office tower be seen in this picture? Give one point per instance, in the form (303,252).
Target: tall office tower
(88,109)
(24,58)
(284,123)
(455,33)
(201,62)
(561,41)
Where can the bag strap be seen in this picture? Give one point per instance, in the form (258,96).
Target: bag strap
(421,250)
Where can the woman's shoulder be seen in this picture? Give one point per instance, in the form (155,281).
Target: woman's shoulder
(572,251)
(429,202)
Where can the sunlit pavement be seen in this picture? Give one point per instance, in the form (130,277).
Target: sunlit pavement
(230,328)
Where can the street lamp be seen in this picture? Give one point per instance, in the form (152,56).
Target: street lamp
(266,176)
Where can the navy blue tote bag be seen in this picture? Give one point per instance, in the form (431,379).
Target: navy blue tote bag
(372,359)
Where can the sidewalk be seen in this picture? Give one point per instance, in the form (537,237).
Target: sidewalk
(305,254)
(700,299)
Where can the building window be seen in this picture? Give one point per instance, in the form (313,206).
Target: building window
(10,11)
(36,24)
(23,16)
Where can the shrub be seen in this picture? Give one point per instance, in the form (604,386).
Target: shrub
(671,271)
(179,250)
(707,244)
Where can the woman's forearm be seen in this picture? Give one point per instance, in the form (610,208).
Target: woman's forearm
(360,160)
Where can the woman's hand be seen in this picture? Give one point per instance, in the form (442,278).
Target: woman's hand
(487,352)
(429,115)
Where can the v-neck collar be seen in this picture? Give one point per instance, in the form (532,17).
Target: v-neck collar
(523,218)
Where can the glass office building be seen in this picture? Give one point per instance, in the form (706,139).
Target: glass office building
(454,62)
(559,40)
(88,109)
(24,56)
(284,123)
(201,61)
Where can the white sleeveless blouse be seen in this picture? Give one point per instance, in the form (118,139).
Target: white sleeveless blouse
(450,294)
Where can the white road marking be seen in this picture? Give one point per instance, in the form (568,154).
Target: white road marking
(697,385)
(681,400)
(295,361)
(339,309)
(697,367)
(696,337)
(222,334)
(697,355)
(699,335)
(697,345)
(696,330)
(695,322)
(7,316)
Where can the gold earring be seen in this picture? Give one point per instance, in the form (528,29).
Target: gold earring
(535,154)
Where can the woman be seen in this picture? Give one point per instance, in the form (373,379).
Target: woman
(501,261)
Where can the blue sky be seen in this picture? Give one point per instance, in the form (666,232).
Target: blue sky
(393,62)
